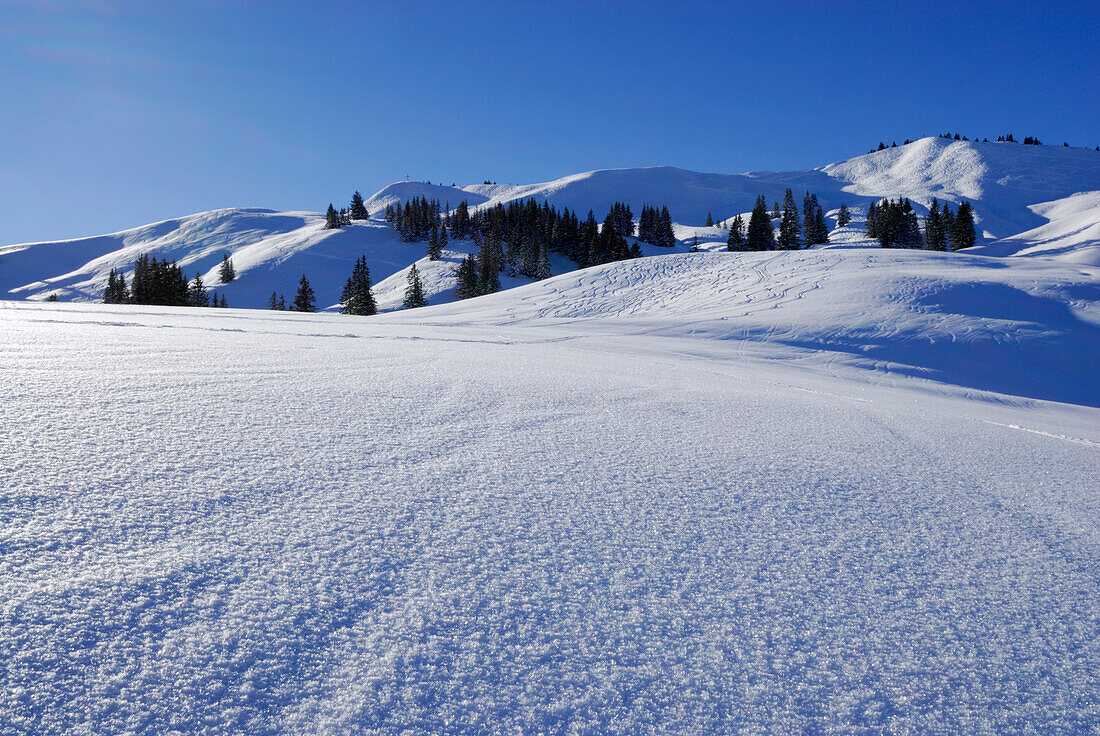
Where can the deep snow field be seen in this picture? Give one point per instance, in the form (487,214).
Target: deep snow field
(834,491)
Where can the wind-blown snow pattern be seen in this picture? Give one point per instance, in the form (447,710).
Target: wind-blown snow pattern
(1033,201)
(811,492)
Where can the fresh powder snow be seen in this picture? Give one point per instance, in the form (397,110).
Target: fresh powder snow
(843,490)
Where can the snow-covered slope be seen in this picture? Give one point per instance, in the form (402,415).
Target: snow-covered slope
(817,492)
(270,251)
(1029,200)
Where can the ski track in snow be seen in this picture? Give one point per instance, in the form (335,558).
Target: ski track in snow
(663,496)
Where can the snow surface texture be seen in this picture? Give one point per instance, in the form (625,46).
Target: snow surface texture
(1024,199)
(665,496)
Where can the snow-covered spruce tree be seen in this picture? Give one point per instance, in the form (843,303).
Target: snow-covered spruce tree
(542,266)
(736,239)
(358,210)
(414,291)
(226,273)
(356,298)
(962,230)
(843,217)
(760,234)
(789,228)
(196,293)
(467,286)
(305,300)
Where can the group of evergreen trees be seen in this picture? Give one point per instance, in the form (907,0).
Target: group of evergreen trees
(357,296)
(525,232)
(162,283)
(305,300)
(655,227)
(357,210)
(521,235)
(795,230)
(415,220)
(894,224)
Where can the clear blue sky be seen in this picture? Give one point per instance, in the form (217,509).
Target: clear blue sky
(114,114)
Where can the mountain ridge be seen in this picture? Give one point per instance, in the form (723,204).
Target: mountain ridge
(1028,201)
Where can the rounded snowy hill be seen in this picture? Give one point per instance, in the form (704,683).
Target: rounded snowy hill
(1021,327)
(1002,180)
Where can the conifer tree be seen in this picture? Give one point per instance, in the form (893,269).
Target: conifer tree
(736,239)
(665,235)
(843,217)
(223,304)
(332,218)
(775,211)
(820,228)
(789,228)
(694,244)
(962,230)
(305,300)
(488,273)
(710,220)
(435,252)
(460,223)
(909,235)
(282,303)
(117,291)
(647,224)
(356,297)
(935,237)
(414,291)
(440,243)
(872,220)
(542,267)
(273,302)
(760,234)
(467,286)
(227,273)
(358,210)
(196,293)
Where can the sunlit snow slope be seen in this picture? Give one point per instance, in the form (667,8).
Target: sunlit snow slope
(698,494)
(1029,201)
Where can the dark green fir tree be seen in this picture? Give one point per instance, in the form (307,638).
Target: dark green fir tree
(356,298)
(414,290)
(305,300)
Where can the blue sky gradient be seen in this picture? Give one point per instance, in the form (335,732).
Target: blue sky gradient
(116,114)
